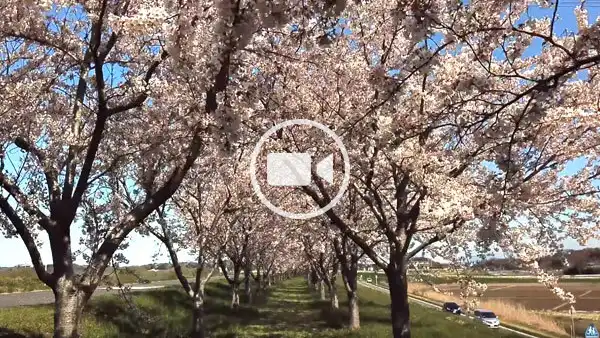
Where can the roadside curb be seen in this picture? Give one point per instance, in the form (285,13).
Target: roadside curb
(21,292)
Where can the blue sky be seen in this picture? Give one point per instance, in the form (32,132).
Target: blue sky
(143,249)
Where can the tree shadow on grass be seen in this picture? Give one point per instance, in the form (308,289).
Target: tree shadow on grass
(370,313)
(220,316)
(294,308)
(154,313)
(8,333)
(168,312)
(339,318)
(286,309)
(218,288)
(333,318)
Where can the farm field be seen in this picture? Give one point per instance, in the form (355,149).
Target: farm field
(527,292)
(535,296)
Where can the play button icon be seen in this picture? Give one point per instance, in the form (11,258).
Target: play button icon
(288,169)
(325,169)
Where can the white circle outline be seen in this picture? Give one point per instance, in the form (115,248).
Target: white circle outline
(256,152)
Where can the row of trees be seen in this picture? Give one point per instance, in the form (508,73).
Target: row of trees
(465,134)
(330,255)
(215,217)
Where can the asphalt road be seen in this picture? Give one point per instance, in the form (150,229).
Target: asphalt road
(47,297)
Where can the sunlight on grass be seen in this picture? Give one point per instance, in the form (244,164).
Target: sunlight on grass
(290,310)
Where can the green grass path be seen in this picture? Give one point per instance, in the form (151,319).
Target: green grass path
(292,310)
(289,310)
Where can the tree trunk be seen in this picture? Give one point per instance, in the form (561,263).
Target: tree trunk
(333,298)
(248,290)
(235,296)
(314,279)
(259,284)
(353,311)
(399,297)
(322,290)
(201,289)
(68,308)
(349,275)
(198,318)
(258,280)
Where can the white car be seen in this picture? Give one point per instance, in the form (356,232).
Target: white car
(488,318)
(369,280)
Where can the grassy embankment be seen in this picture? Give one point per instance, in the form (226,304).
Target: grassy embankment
(290,310)
(551,323)
(24,279)
(510,312)
(581,321)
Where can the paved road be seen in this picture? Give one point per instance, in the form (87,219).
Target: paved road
(436,306)
(47,297)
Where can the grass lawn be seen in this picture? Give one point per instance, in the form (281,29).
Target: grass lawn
(290,310)
(153,313)
(425,322)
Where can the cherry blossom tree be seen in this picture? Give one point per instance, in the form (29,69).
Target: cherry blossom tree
(348,254)
(267,249)
(234,256)
(459,126)
(258,247)
(189,222)
(454,132)
(330,253)
(93,92)
(287,263)
(322,257)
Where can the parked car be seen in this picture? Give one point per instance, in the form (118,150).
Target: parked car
(452,307)
(487,317)
(369,280)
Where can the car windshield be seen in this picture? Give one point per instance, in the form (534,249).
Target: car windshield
(452,305)
(488,315)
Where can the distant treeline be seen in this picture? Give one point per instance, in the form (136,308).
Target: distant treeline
(580,262)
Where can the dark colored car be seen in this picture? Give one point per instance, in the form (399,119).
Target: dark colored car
(452,307)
